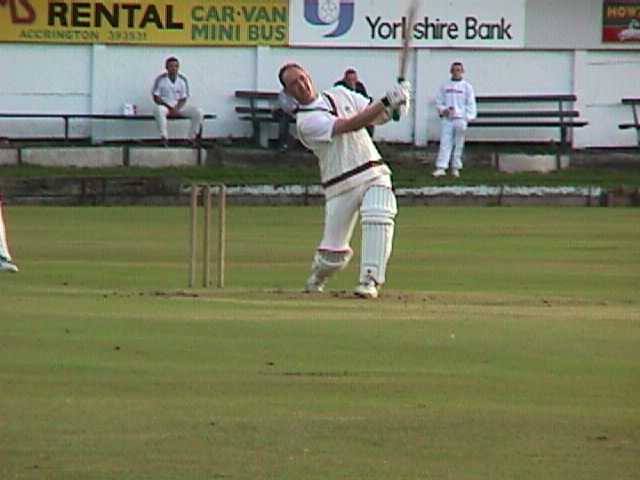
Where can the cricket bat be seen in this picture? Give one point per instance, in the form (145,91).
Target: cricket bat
(410,19)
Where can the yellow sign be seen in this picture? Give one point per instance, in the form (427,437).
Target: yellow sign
(146,22)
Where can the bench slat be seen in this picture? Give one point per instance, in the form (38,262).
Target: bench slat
(525,98)
(625,126)
(94,116)
(258,110)
(31,115)
(256,94)
(631,101)
(528,113)
(259,119)
(569,123)
(67,117)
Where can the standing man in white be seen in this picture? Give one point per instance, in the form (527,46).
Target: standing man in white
(170,93)
(6,263)
(456,104)
(333,125)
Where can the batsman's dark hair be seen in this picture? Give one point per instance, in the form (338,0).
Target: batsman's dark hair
(349,71)
(170,59)
(284,69)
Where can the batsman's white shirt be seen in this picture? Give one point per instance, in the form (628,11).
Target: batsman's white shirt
(338,154)
(171,92)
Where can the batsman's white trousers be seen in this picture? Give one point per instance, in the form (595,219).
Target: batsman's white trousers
(341,214)
(194,113)
(451,138)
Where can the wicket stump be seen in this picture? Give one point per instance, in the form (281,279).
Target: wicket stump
(205,191)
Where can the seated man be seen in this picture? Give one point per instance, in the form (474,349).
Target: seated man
(170,93)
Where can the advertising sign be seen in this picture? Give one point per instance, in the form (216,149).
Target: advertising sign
(150,22)
(382,23)
(621,21)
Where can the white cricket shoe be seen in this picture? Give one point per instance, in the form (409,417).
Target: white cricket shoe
(367,290)
(439,172)
(313,285)
(7,266)
(455,173)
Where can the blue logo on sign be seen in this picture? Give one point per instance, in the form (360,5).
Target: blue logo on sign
(329,12)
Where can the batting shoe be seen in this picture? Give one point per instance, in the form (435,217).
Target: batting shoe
(439,172)
(367,289)
(7,266)
(313,285)
(455,173)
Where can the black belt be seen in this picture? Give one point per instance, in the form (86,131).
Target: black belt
(351,173)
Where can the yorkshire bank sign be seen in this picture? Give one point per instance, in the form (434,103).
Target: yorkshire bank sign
(382,23)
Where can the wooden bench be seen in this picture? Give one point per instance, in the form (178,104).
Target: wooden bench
(551,111)
(634,103)
(260,108)
(67,117)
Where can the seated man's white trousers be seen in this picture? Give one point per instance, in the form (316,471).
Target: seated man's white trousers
(196,115)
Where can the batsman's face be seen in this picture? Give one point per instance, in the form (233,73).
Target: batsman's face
(298,84)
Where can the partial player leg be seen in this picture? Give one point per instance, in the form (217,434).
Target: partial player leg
(160,112)
(459,129)
(196,115)
(446,144)
(6,264)
(334,252)
(378,212)
(325,264)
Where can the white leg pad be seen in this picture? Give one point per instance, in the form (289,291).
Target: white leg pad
(377,212)
(325,263)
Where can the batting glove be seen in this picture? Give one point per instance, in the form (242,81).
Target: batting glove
(397,96)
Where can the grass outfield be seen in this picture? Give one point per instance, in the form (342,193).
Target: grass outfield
(506,345)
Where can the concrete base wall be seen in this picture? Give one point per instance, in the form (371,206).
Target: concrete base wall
(89,157)
(103,157)
(8,156)
(165,157)
(519,162)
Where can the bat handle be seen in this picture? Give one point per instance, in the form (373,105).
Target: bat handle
(395,114)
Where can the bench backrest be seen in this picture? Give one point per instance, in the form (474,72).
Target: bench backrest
(96,116)
(256,94)
(526,98)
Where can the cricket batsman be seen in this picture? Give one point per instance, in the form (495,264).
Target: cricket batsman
(355,179)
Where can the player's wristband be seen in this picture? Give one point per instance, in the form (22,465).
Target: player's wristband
(385,101)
